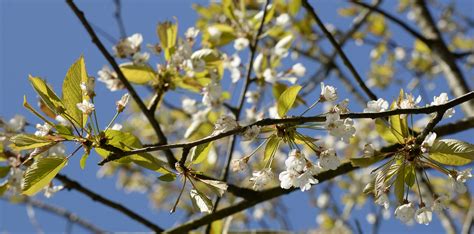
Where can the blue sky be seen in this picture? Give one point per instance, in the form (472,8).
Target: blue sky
(45,38)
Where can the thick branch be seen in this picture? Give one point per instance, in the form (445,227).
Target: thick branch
(296,121)
(71,184)
(338,48)
(149,115)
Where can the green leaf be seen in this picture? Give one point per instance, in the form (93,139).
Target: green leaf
(400,186)
(398,126)
(384,131)
(294,7)
(200,201)
(452,152)
(29,141)
(38,175)
(48,96)
(216,186)
(72,92)
(83,161)
(4,171)
(365,162)
(271,147)
(287,99)
(168,177)
(200,152)
(138,74)
(3,187)
(409,175)
(167,32)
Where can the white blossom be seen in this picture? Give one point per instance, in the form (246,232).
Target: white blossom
(250,133)
(261,178)
(49,190)
(341,129)
(225,123)
(214,32)
(423,215)
(283,20)
(378,105)
(212,95)
(63,121)
(110,79)
(189,105)
(241,43)
(281,47)
(409,102)
(141,58)
(405,212)
(16,124)
(428,142)
(383,200)
(191,33)
(443,99)
(117,127)
(86,107)
(257,63)
(328,160)
(399,53)
(328,93)
(252,96)
(458,182)
(298,69)
(43,130)
(128,46)
(439,204)
(88,88)
(238,165)
(122,103)
(368,151)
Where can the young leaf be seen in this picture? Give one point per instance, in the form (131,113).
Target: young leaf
(4,171)
(200,201)
(47,94)
(365,162)
(72,92)
(168,177)
(83,161)
(409,175)
(167,32)
(200,152)
(38,175)
(217,186)
(29,141)
(287,99)
(138,74)
(452,152)
(271,147)
(385,132)
(400,186)
(398,126)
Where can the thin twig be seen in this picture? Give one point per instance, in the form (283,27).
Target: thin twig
(296,121)
(118,17)
(72,184)
(338,48)
(59,211)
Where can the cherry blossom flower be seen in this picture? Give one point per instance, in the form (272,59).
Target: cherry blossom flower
(405,212)
(261,178)
(439,204)
(88,88)
(214,32)
(281,47)
(212,95)
(328,160)
(428,142)
(238,165)
(440,100)
(241,43)
(191,33)
(86,107)
(110,79)
(189,105)
(376,106)
(458,182)
(328,93)
(122,103)
(250,133)
(43,130)
(368,151)
(383,200)
(141,58)
(50,190)
(283,20)
(409,102)
(15,124)
(225,123)
(298,69)
(423,215)
(128,46)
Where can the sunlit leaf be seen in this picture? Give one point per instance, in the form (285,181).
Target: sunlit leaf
(271,147)
(47,94)
(138,74)
(200,152)
(287,99)
(452,152)
(40,173)
(201,202)
(72,92)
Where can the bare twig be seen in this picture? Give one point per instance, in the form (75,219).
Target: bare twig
(338,48)
(118,17)
(72,184)
(59,211)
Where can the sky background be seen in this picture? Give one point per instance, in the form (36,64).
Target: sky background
(45,38)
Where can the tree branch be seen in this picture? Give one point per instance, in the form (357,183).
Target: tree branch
(338,48)
(59,211)
(148,114)
(72,184)
(296,121)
